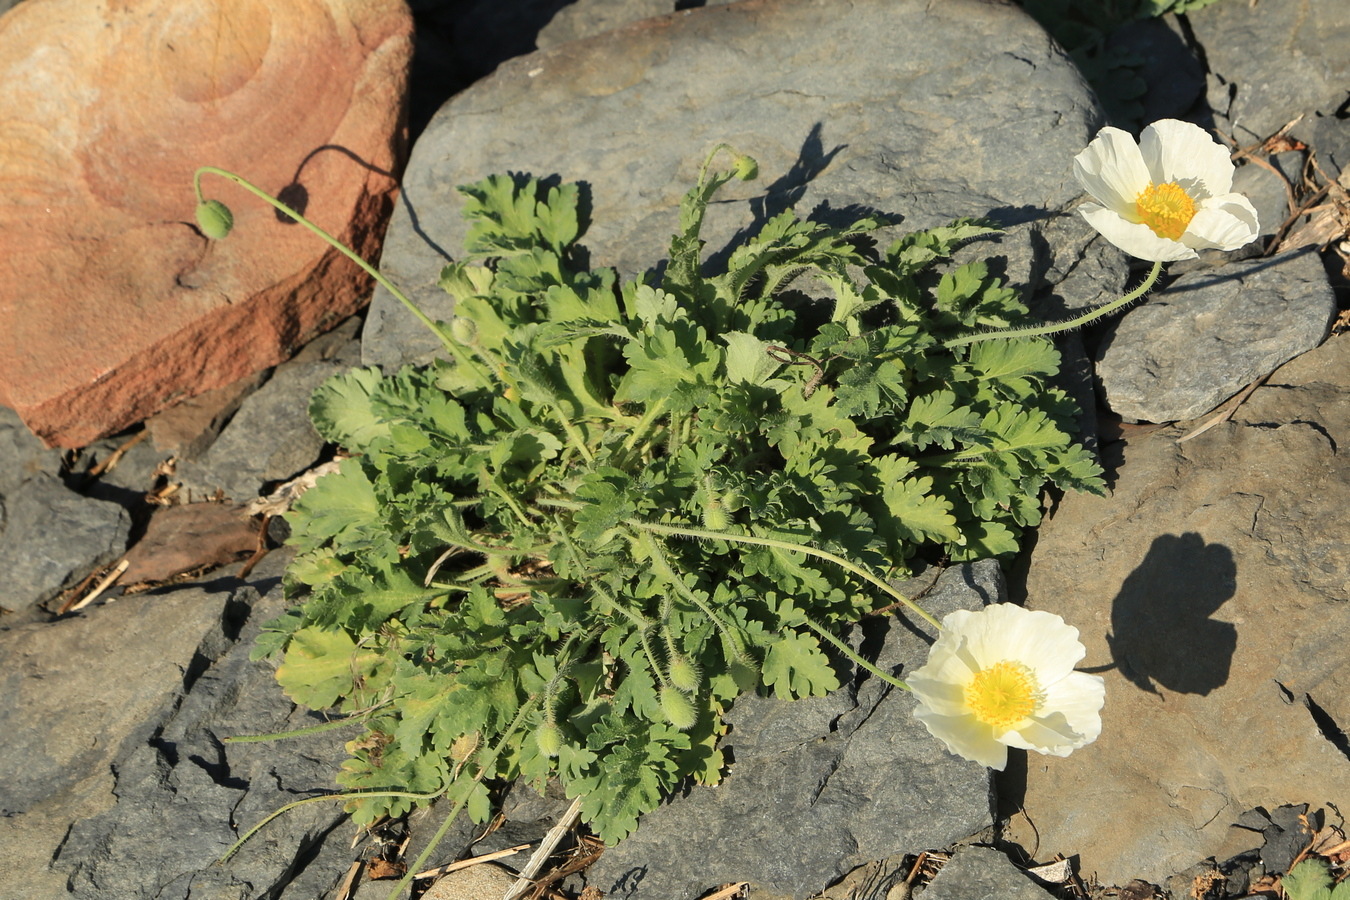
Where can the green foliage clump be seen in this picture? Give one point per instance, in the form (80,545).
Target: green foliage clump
(1312,880)
(565,552)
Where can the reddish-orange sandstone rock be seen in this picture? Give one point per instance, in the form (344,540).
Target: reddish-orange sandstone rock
(112,304)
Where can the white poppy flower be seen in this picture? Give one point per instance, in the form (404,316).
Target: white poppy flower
(1003,677)
(1165,197)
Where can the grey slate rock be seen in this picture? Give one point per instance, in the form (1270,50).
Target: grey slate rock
(1211,333)
(184,795)
(1275,61)
(1174,78)
(270,438)
(586,18)
(930,111)
(1267,190)
(1331,140)
(841,780)
(51,537)
(22,454)
(982,873)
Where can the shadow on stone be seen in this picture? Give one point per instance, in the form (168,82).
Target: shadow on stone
(1162,633)
(783,194)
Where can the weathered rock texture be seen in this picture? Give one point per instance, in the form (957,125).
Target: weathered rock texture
(116,781)
(1270,63)
(51,537)
(585,18)
(1211,333)
(842,780)
(112,304)
(927,110)
(1211,586)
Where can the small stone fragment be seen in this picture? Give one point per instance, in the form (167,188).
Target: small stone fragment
(190,538)
(983,873)
(51,537)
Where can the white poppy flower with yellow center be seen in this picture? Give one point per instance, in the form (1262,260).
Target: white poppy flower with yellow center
(1165,197)
(1003,677)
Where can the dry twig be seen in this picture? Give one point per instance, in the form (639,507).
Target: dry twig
(471,861)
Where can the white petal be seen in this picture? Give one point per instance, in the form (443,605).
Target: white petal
(1226,223)
(1050,735)
(966,737)
(948,659)
(1185,153)
(1112,170)
(944,697)
(1038,639)
(1135,239)
(1070,717)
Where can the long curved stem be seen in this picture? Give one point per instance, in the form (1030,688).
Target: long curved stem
(353,795)
(451,345)
(849,652)
(298,732)
(839,561)
(1068,324)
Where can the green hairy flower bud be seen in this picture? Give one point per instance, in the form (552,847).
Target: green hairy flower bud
(548,737)
(684,674)
(463,330)
(746,168)
(677,709)
(715,515)
(214,219)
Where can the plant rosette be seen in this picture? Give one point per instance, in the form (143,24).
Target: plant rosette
(563,551)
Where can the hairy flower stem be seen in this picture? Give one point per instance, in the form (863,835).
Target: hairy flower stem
(466,789)
(354,795)
(298,732)
(846,565)
(1066,325)
(853,656)
(664,568)
(451,345)
(487,764)
(644,425)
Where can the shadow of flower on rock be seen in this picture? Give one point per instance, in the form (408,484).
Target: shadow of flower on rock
(1162,631)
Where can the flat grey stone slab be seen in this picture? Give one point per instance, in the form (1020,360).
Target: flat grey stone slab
(1210,593)
(1211,333)
(926,110)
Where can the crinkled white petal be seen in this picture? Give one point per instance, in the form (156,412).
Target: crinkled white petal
(1180,152)
(965,736)
(1138,240)
(1112,170)
(939,691)
(1069,718)
(1226,222)
(1041,641)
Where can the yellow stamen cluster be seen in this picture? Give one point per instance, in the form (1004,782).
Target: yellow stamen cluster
(1003,694)
(1165,208)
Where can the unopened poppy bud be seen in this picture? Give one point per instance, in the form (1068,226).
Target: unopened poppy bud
(679,712)
(214,219)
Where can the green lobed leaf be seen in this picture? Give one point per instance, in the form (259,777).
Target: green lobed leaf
(795,666)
